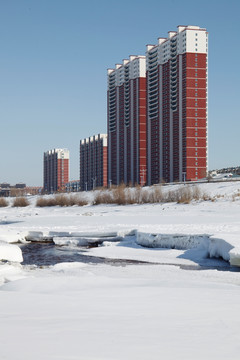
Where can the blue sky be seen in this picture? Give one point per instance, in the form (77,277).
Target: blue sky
(53,66)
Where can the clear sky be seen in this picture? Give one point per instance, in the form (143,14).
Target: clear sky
(53,73)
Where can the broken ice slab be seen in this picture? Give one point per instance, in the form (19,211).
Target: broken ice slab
(38,236)
(172,241)
(97,234)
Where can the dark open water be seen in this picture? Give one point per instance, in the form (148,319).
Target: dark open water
(47,254)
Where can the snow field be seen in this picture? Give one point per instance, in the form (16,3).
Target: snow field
(100,312)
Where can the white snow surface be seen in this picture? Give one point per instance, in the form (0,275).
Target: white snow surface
(10,252)
(164,308)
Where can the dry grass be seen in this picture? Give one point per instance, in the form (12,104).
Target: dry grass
(206,197)
(119,195)
(184,195)
(196,193)
(3,202)
(123,195)
(42,202)
(103,197)
(236,195)
(20,201)
(81,202)
(61,200)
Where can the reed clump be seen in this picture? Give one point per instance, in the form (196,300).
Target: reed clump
(20,201)
(3,202)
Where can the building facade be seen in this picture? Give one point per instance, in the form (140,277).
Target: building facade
(56,170)
(176,72)
(72,186)
(93,162)
(127,122)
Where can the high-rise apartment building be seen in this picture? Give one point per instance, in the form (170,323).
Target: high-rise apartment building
(127,122)
(56,170)
(93,162)
(177,106)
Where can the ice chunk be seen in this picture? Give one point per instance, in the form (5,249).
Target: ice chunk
(10,252)
(219,248)
(34,236)
(99,234)
(70,241)
(59,233)
(171,241)
(235,256)
(12,236)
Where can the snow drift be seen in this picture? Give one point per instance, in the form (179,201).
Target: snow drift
(215,248)
(10,252)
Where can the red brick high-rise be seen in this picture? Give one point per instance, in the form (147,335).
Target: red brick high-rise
(127,122)
(176,71)
(56,170)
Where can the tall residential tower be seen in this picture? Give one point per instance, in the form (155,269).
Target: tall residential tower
(56,170)
(127,122)
(93,162)
(177,106)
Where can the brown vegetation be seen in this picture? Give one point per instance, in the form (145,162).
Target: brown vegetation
(20,202)
(3,202)
(61,200)
(124,195)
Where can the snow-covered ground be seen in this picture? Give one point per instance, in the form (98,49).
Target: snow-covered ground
(178,304)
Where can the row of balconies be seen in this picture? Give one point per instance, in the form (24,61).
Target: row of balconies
(153,77)
(150,72)
(152,60)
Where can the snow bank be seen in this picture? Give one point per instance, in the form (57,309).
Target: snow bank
(67,267)
(70,241)
(12,236)
(38,236)
(219,248)
(10,252)
(83,240)
(59,233)
(235,256)
(78,238)
(171,241)
(215,247)
(100,234)
(10,272)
